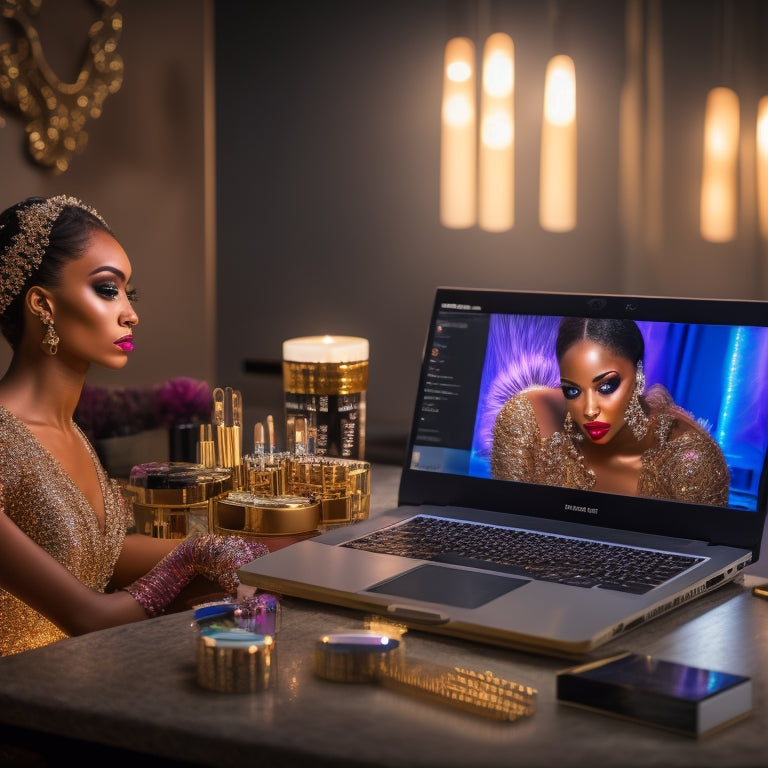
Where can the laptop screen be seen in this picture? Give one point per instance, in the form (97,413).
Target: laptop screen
(601,408)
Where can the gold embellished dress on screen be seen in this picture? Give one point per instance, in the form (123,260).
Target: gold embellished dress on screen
(689,467)
(42,500)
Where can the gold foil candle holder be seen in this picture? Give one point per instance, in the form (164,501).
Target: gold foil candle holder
(325,380)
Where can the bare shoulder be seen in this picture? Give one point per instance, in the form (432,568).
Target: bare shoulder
(549,406)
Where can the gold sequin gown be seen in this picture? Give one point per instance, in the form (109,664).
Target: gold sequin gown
(690,467)
(42,500)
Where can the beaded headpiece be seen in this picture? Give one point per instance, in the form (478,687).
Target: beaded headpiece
(25,251)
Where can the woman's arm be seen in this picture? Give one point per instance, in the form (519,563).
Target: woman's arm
(29,573)
(190,568)
(139,554)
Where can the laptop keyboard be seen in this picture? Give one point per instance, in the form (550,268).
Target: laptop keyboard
(541,556)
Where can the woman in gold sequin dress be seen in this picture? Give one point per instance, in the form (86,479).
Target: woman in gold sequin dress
(67,565)
(601,431)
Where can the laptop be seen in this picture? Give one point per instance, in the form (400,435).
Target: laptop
(418,563)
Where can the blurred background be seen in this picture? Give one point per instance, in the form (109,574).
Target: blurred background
(273,170)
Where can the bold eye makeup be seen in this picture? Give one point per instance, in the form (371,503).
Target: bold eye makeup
(609,385)
(571,391)
(605,387)
(109,289)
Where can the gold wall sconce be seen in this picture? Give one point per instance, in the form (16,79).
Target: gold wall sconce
(55,111)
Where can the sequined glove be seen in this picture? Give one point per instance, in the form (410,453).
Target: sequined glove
(215,557)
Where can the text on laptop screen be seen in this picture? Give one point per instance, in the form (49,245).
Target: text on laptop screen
(501,399)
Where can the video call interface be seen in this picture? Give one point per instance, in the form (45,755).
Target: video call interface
(476,361)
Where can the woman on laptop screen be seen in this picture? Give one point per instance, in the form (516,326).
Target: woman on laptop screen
(601,430)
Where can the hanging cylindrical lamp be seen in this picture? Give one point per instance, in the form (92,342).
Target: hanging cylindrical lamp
(458,148)
(719,180)
(557,182)
(762,166)
(496,206)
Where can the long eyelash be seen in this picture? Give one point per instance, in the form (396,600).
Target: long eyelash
(132,294)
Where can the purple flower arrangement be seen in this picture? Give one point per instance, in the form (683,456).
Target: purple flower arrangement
(103,413)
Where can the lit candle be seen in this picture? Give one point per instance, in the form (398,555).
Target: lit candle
(325,349)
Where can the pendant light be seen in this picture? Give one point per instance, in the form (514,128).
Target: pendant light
(557,174)
(719,180)
(496,212)
(458,147)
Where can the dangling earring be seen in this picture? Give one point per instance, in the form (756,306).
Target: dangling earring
(634,415)
(50,342)
(569,430)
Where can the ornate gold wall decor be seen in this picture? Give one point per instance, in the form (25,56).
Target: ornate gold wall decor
(55,111)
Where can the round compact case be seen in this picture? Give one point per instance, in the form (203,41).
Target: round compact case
(171,499)
(234,660)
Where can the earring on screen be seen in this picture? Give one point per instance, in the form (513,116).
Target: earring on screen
(635,416)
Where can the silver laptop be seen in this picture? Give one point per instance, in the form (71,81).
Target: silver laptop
(508,530)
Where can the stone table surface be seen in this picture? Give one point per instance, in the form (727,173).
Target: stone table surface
(134,688)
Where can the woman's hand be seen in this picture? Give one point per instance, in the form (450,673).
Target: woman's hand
(215,557)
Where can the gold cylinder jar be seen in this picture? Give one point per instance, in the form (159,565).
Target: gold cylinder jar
(325,380)
(171,499)
(234,661)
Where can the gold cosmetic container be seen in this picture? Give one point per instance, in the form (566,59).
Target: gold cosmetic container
(235,661)
(171,500)
(342,486)
(254,515)
(291,495)
(356,657)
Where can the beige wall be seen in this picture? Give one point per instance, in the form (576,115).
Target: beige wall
(144,168)
(328,168)
(329,146)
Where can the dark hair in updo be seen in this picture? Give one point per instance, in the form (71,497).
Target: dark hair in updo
(622,337)
(68,240)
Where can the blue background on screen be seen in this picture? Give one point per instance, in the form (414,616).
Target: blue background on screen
(719,374)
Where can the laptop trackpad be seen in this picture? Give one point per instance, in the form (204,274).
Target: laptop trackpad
(449,586)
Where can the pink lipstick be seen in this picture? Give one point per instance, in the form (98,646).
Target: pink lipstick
(597,430)
(125,343)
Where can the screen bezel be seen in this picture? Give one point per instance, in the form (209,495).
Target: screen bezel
(718,525)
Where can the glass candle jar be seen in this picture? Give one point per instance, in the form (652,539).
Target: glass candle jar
(325,379)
